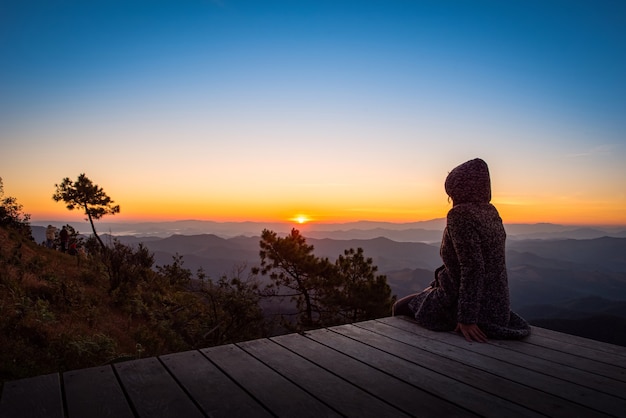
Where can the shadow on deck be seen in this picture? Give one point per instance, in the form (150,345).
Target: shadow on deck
(382,368)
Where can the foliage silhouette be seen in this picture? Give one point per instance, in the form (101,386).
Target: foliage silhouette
(84,194)
(324,293)
(12,214)
(361,294)
(295,273)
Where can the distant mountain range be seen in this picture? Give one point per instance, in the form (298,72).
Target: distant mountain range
(559,280)
(424,231)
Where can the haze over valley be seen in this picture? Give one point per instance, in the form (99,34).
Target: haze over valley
(421,231)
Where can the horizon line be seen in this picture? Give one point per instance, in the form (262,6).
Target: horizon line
(313,222)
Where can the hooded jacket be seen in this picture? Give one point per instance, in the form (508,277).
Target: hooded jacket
(472,285)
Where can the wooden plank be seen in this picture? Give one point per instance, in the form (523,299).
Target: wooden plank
(95,392)
(216,393)
(456,348)
(387,367)
(432,382)
(505,391)
(340,395)
(401,394)
(589,373)
(512,352)
(592,353)
(35,397)
(153,392)
(581,341)
(277,394)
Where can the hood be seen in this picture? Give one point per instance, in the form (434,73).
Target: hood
(469,183)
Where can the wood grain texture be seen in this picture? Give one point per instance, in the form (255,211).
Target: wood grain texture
(153,392)
(493,359)
(271,389)
(96,393)
(34,397)
(216,393)
(331,389)
(388,367)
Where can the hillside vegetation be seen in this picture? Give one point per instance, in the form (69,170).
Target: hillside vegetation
(60,312)
(57,311)
(56,314)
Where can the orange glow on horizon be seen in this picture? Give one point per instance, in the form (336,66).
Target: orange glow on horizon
(564,213)
(138,209)
(510,215)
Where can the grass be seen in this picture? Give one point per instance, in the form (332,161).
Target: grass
(55,314)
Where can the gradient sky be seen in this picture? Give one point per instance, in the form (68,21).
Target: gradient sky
(337,110)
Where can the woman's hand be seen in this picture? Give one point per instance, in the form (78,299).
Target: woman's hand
(471,332)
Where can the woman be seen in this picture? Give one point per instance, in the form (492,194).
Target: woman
(470,293)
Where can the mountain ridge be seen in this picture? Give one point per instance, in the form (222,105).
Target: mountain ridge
(420,231)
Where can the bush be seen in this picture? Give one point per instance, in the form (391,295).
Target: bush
(12,215)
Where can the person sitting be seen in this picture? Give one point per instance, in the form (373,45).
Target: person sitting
(470,293)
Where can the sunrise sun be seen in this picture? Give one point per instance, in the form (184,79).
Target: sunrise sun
(301,219)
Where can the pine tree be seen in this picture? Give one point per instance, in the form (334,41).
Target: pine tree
(84,194)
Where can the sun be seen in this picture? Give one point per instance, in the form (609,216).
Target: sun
(301,219)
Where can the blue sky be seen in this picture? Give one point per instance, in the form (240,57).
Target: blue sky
(338,110)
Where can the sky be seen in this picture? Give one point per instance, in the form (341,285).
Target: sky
(333,111)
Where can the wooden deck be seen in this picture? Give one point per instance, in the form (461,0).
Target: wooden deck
(385,368)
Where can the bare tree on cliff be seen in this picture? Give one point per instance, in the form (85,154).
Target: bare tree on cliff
(84,194)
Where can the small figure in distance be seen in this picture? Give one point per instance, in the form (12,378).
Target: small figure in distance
(64,236)
(470,293)
(50,233)
(73,248)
